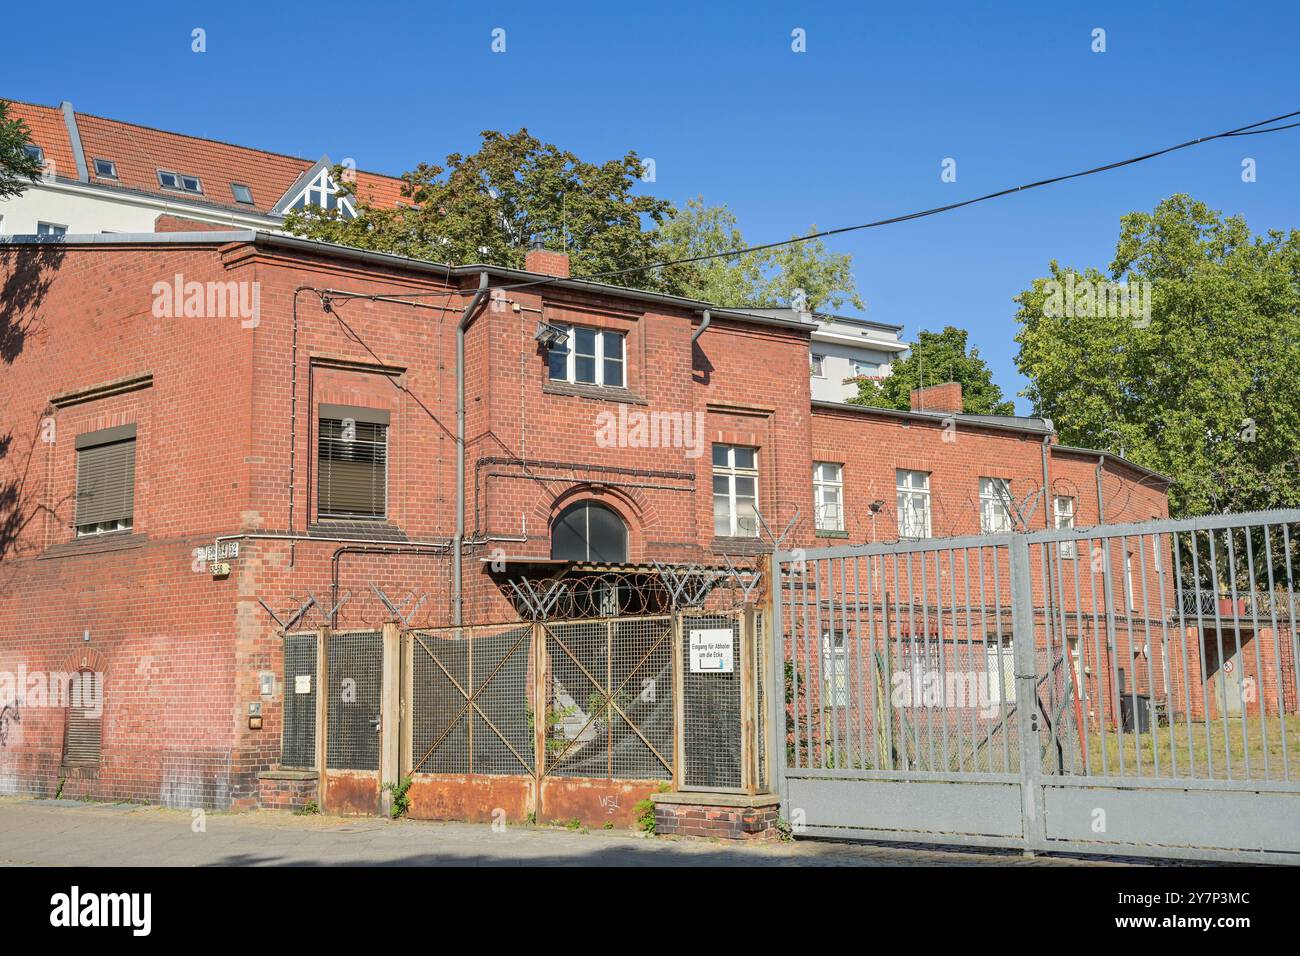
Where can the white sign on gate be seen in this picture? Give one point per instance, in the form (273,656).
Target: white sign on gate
(302,683)
(711,651)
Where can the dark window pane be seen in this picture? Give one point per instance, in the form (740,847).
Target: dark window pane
(569,535)
(557,363)
(585,341)
(587,531)
(584,369)
(744,458)
(720,455)
(613,373)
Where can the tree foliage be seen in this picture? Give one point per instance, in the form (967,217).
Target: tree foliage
(18,168)
(938,357)
(491,205)
(766,277)
(1208,390)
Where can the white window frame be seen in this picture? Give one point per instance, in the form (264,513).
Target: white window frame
(315,192)
(570,358)
(50,228)
(865,369)
(912,486)
(731,472)
(1063,517)
(835,670)
(821,486)
(180,186)
(816,365)
(995,506)
(1000,682)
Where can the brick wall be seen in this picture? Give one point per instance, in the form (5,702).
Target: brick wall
(225,409)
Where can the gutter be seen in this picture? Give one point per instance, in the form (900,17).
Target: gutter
(458,540)
(1045,428)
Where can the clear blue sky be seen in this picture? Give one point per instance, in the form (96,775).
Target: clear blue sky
(852,130)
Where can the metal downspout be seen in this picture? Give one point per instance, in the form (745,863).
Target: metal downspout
(459,539)
(703,325)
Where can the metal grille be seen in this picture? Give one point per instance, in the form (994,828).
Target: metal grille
(902,661)
(1122,688)
(439,718)
(711,731)
(355,678)
(472,684)
(298,747)
(502,731)
(609,703)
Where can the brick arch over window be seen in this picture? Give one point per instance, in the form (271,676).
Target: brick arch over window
(571,503)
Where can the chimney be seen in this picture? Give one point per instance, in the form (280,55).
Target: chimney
(938,398)
(547,262)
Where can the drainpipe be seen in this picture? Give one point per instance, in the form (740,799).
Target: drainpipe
(1101,506)
(1049,505)
(703,325)
(458,541)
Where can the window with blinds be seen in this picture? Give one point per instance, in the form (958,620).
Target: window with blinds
(82,736)
(105,480)
(352,478)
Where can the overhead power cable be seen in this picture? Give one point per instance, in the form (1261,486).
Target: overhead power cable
(1249,129)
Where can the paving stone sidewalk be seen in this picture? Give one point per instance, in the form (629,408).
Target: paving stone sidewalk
(71,833)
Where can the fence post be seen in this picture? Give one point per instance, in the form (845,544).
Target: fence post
(1026,667)
(775,659)
(322,711)
(407,703)
(679,710)
(540,704)
(390,721)
(748,703)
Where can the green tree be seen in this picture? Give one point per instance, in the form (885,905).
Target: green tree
(1199,384)
(491,205)
(935,358)
(700,230)
(18,168)
(753,279)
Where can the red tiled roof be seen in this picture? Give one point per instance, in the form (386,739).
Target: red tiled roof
(140,151)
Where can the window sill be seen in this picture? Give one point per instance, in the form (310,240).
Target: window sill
(97,544)
(745,545)
(826,533)
(599,392)
(356,528)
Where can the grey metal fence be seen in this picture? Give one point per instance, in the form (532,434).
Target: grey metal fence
(609,702)
(298,745)
(471,689)
(1122,686)
(711,708)
(355,672)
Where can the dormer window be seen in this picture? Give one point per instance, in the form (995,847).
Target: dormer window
(105,169)
(180,182)
(242,193)
(322,192)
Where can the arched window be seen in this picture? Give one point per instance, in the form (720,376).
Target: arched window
(587,531)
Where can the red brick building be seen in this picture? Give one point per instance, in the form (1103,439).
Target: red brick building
(176,403)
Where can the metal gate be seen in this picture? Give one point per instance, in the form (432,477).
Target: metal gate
(1059,690)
